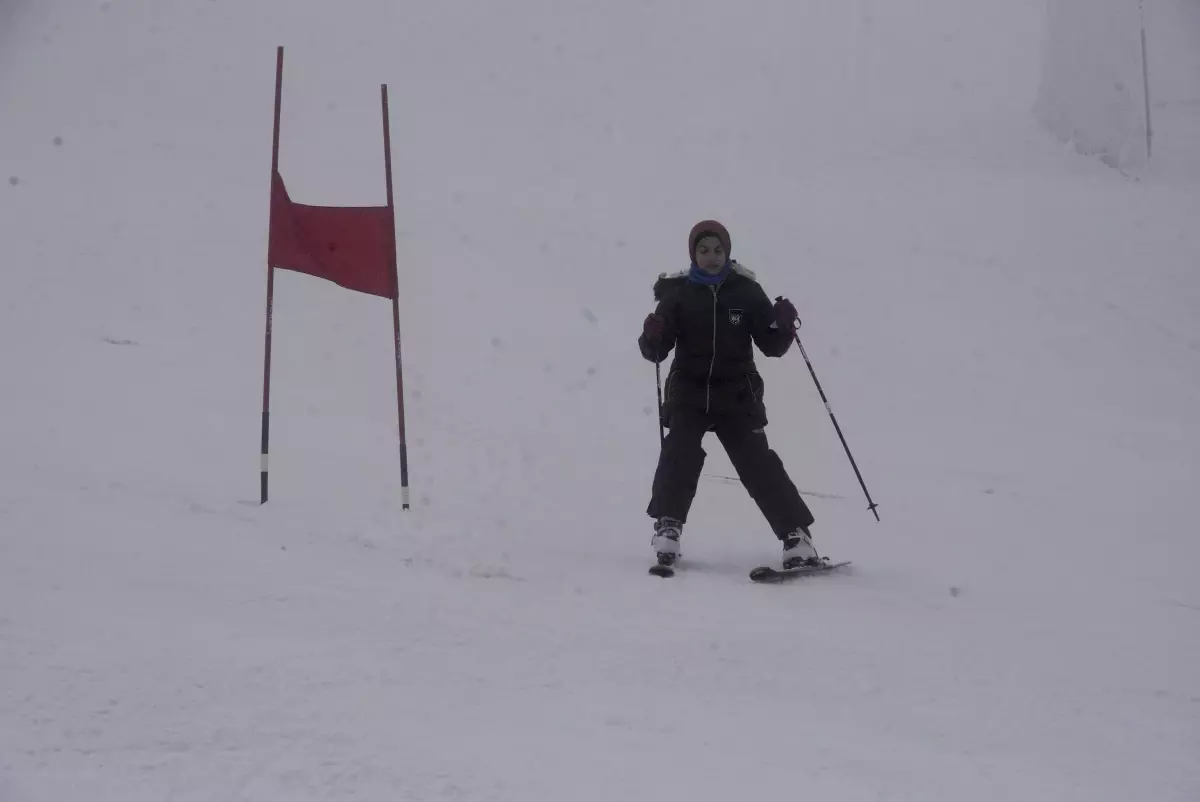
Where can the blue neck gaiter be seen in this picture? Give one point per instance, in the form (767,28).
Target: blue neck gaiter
(699,276)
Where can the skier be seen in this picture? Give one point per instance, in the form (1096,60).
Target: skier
(710,314)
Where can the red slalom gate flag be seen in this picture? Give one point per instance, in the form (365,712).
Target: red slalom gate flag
(352,246)
(348,245)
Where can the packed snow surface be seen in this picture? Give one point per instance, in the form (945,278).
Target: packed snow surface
(1008,333)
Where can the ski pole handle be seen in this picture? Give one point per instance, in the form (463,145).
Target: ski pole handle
(795,318)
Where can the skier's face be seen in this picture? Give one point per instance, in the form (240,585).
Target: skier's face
(710,254)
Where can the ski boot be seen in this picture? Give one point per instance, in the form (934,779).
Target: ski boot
(798,550)
(666,540)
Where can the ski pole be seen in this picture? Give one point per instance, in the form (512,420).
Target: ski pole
(871,505)
(658,383)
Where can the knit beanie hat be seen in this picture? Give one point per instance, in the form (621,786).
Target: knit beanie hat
(708,228)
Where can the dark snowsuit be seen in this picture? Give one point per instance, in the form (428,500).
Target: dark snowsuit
(713,385)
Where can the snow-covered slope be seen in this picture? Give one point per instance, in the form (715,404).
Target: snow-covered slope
(1008,333)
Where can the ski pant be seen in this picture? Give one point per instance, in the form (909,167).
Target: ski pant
(757,465)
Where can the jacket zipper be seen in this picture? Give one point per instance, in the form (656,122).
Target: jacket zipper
(712,364)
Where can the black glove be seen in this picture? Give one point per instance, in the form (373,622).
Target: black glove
(786,316)
(653,328)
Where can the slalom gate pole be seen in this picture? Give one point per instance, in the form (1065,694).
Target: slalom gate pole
(1146,82)
(391,205)
(264,448)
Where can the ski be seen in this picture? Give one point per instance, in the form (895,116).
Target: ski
(764,574)
(767,574)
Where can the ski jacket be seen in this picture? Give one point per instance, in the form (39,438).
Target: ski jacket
(712,329)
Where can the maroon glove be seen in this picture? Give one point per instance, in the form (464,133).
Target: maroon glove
(653,328)
(786,315)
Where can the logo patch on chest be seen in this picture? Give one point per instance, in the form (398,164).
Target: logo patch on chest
(735,317)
